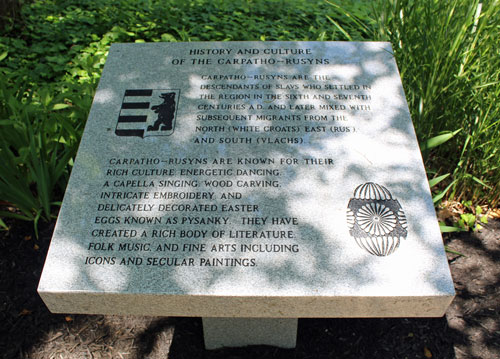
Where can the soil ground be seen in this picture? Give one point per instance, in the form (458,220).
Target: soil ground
(471,328)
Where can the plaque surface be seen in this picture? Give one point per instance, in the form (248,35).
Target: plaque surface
(248,179)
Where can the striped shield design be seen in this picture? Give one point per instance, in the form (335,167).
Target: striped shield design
(148,112)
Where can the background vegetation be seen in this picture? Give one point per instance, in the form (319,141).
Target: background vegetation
(52,53)
(448,53)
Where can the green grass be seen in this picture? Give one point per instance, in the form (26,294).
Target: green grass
(448,53)
(52,55)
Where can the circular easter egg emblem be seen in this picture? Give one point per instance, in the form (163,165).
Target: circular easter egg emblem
(376,220)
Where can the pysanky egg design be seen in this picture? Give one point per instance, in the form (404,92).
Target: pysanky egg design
(376,220)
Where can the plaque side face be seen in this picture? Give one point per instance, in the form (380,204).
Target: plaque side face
(227,173)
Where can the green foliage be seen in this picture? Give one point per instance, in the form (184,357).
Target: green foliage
(452,82)
(450,250)
(472,220)
(51,62)
(9,12)
(429,145)
(58,38)
(448,55)
(356,15)
(39,136)
(52,55)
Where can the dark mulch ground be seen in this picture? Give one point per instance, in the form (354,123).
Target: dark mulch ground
(471,328)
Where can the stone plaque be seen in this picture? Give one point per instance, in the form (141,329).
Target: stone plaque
(248,179)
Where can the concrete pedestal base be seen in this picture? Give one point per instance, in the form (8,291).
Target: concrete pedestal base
(240,332)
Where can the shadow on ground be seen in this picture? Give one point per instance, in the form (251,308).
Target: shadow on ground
(469,330)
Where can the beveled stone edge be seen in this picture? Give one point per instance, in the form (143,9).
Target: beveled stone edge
(247,306)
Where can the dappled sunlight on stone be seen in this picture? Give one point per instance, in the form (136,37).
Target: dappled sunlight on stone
(105,96)
(225,185)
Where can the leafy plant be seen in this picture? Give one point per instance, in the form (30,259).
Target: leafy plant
(427,146)
(51,62)
(472,220)
(447,52)
(38,140)
(52,56)
(446,65)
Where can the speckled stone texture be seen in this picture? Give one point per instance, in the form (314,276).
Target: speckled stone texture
(240,332)
(252,180)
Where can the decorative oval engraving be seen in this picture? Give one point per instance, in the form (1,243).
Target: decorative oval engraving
(375,219)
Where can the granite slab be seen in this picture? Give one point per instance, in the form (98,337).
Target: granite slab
(248,179)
